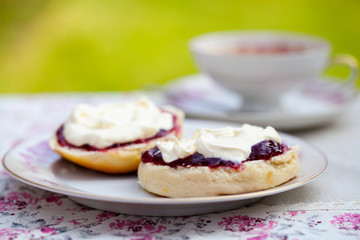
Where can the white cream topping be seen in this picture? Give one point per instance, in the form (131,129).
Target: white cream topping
(173,149)
(104,125)
(227,143)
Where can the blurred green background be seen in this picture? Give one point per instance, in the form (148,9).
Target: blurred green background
(89,45)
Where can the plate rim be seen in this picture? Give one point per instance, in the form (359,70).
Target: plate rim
(164,200)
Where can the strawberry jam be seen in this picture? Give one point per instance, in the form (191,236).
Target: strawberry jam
(263,150)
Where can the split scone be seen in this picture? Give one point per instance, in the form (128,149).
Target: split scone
(218,161)
(111,138)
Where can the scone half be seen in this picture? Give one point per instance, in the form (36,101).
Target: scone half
(229,160)
(200,181)
(122,159)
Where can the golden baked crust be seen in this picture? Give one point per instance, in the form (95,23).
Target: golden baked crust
(117,160)
(204,181)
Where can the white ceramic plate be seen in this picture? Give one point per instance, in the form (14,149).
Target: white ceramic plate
(200,97)
(34,163)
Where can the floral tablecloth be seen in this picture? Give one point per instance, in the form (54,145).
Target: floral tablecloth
(327,208)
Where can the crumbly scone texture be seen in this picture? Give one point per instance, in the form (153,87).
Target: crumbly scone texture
(117,160)
(204,181)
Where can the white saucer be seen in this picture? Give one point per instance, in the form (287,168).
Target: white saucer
(34,163)
(200,97)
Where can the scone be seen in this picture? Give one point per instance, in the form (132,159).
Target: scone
(217,162)
(111,138)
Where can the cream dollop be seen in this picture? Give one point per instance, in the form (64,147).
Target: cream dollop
(227,143)
(104,125)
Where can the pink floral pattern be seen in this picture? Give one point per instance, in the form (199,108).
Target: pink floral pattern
(253,228)
(245,224)
(347,221)
(143,227)
(30,213)
(39,153)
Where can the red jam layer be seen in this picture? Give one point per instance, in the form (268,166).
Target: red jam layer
(263,150)
(62,141)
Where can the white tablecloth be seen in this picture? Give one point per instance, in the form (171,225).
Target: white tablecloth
(327,208)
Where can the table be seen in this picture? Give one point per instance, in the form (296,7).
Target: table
(327,208)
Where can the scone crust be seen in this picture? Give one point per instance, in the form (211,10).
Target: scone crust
(117,160)
(204,181)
